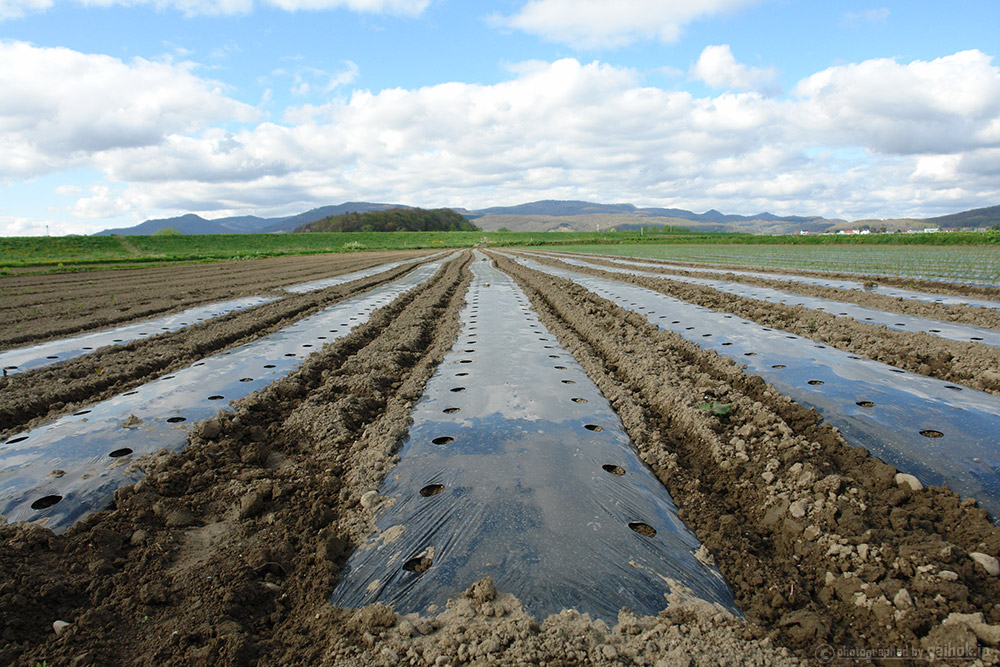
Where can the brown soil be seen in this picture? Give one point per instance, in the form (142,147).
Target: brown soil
(227,552)
(976,315)
(816,538)
(34,308)
(969,364)
(937,287)
(28,399)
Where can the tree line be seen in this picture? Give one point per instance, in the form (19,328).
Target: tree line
(394,220)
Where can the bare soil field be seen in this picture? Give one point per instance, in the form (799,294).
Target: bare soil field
(39,307)
(938,311)
(970,364)
(933,286)
(227,552)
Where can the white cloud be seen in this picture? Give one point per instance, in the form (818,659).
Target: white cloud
(599,23)
(187,7)
(22,226)
(18,8)
(313,80)
(103,202)
(63,107)
(397,7)
(718,68)
(13,9)
(941,106)
(871,139)
(877,15)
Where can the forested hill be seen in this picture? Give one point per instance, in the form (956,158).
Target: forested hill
(393,220)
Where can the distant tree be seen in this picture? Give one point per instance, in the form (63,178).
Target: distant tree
(396,219)
(166,231)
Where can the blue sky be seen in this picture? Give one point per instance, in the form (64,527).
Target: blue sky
(115,111)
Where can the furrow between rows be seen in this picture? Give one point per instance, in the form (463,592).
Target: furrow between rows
(817,539)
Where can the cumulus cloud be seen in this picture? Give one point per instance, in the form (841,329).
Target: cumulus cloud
(852,141)
(13,9)
(397,7)
(18,8)
(63,107)
(939,106)
(598,23)
(718,68)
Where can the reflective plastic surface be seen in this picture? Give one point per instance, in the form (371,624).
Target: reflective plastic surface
(58,473)
(323,283)
(516,467)
(25,359)
(899,321)
(938,431)
(884,290)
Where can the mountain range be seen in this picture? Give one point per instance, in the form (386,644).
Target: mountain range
(557,215)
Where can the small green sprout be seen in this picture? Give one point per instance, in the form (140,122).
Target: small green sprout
(716,408)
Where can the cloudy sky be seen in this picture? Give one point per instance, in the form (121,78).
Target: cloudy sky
(115,111)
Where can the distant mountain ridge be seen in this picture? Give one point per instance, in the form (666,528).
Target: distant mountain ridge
(245,224)
(554,215)
(563,208)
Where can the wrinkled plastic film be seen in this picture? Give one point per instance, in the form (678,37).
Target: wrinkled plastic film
(516,467)
(60,472)
(884,290)
(323,283)
(938,431)
(898,321)
(24,359)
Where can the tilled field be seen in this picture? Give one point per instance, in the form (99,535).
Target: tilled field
(227,552)
(966,363)
(39,307)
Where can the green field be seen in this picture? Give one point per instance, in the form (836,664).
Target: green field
(978,264)
(81,251)
(966,251)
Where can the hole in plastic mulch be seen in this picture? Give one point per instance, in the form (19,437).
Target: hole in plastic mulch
(81,412)
(419,565)
(866,404)
(246,379)
(642,528)
(613,469)
(176,420)
(431,490)
(443,440)
(18,439)
(457,389)
(931,433)
(816,382)
(579,400)
(568,382)
(593,427)
(450,411)
(45,502)
(124,451)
